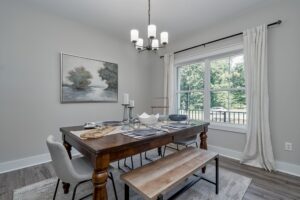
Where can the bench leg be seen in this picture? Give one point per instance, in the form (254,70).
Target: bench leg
(217,175)
(126,192)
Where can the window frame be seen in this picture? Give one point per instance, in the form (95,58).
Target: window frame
(202,90)
(206,59)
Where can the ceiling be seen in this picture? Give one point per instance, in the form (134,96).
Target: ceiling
(178,17)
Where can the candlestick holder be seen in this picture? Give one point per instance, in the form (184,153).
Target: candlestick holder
(126,124)
(125,112)
(130,112)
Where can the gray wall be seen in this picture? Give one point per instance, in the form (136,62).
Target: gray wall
(284,72)
(30,108)
(30,42)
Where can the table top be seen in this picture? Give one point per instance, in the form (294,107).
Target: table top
(117,142)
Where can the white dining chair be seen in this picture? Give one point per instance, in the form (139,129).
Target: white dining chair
(74,171)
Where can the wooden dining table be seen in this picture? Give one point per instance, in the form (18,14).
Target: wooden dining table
(102,151)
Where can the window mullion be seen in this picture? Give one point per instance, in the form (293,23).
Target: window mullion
(207,90)
(176,95)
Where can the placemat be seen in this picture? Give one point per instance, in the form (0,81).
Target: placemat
(144,133)
(118,129)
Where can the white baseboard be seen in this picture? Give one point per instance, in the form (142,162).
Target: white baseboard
(28,162)
(284,167)
(229,153)
(288,168)
(8,166)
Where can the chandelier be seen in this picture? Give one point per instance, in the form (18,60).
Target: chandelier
(153,42)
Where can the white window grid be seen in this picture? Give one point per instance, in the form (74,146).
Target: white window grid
(207,89)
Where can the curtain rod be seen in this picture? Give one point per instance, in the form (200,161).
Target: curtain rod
(220,39)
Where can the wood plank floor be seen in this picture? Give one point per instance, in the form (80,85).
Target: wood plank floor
(264,185)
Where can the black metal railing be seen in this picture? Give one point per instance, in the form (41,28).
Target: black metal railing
(231,117)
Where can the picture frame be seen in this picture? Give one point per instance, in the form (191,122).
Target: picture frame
(86,80)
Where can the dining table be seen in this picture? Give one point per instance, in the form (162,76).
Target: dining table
(113,147)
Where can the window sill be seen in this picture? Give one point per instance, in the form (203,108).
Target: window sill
(228,127)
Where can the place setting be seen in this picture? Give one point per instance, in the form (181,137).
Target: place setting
(139,127)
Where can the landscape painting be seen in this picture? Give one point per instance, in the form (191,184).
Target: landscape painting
(88,80)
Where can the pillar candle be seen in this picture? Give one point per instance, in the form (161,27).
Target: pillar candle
(126,98)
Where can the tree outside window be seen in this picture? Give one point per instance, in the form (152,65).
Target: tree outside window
(225,89)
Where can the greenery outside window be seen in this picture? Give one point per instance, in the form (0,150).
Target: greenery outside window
(213,89)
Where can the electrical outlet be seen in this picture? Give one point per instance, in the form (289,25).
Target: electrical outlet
(288,146)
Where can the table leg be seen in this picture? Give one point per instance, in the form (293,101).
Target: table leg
(99,178)
(159,151)
(68,148)
(66,186)
(203,142)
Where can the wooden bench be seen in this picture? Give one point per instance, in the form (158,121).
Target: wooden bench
(153,180)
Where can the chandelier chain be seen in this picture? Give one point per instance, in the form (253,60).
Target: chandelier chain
(148,12)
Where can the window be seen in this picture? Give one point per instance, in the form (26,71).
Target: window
(213,89)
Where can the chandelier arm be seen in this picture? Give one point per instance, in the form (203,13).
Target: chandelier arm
(161,47)
(142,50)
(139,46)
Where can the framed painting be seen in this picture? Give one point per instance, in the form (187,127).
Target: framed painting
(88,80)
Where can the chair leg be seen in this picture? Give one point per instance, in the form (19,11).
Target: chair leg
(120,168)
(177,147)
(113,183)
(164,153)
(56,187)
(86,196)
(74,191)
(147,157)
(132,162)
(197,144)
(217,175)
(125,164)
(141,159)
(126,192)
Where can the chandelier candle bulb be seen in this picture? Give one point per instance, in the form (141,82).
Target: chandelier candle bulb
(155,44)
(134,35)
(126,98)
(164,38)
(151,31)
(139,44)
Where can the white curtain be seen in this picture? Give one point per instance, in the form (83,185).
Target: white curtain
(169,83)
(258,150)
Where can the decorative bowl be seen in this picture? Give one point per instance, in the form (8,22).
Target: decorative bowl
(177,117)
(148,119)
